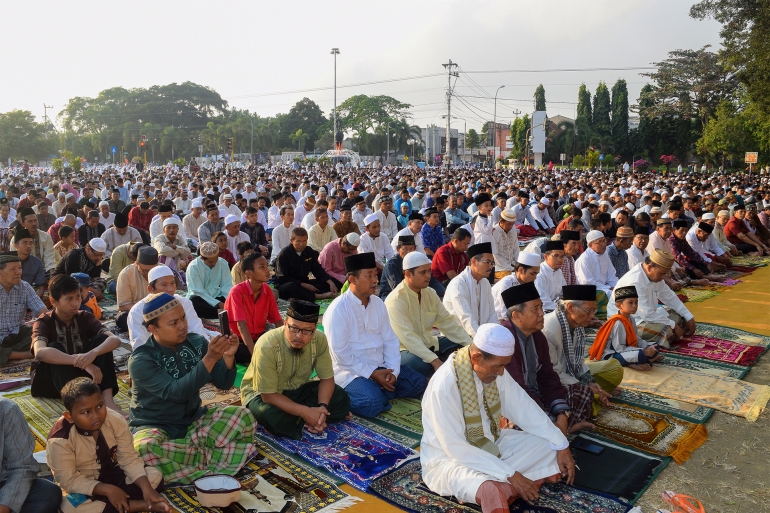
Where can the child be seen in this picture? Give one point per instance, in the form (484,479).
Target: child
(617,338)
(92,457)
(88,301)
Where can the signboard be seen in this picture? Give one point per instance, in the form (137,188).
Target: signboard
(751,157)
(508,142)
(114,150)
(563,157)
(601,156)
(200,148)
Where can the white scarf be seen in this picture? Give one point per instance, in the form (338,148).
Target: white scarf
(479,309)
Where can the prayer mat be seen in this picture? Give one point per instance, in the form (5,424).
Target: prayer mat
(323,304)
(405,488)
(725,394)
(732,334)
(212,396)
(679,409)
(404,415)
(348,450)
(649,431)
(735,274)
(17,370)
(620,471)
(272,483)
(283,307)
(410,440)
(698,295)
(211,325)
(718,350)
(41,442)
(708,366)
(42,413)
(750,261)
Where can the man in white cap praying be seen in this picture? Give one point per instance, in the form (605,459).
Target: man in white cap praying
(594,267)
(506,245)
(527,269)
(464,452)
(539,212)
(234,234)
(374,241)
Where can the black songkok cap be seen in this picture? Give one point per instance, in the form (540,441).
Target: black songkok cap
(406,240)
(416,216)
(554,245)
(165,208)
(568,235)
(21,234)
(679,223)
(520,294)
(360,261)
(345,208)
(482,198)
(641,230)
(622,293)
(303,311)
(121,220)
(579,292)
(147,256)
(480,249)
(705,227)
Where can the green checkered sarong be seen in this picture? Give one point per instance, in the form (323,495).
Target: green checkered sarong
(220,442)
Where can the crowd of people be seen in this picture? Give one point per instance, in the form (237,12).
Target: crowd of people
(470,288)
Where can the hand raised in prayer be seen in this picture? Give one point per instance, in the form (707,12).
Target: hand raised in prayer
(385,378)
(95,372)
(526,488)
(604,397)
(566,465)
(84,360)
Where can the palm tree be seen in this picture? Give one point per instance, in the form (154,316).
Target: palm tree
(299,137)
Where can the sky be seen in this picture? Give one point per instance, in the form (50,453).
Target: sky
(265,56)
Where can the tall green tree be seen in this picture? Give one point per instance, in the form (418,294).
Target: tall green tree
(369,117)
(472,139)
(540,98)
(300,137)
(21,137)
(519,129)
(308,116)
(602,108)
(619,122)
(584,105)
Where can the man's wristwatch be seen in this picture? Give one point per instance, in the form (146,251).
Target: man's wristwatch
(324,405)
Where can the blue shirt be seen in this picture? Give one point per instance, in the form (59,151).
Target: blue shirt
(456,216)
(209,283)
(398,203)
(432,238)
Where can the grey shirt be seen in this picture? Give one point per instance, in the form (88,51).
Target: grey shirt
(19,469)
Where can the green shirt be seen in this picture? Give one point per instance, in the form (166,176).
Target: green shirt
(276,366)
(165,393)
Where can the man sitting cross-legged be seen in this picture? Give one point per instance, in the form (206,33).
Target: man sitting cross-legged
(365,350)
(173,432)
(469,295)
(277,387)
(71,343)
(414,310)
(292,267)
(464,452)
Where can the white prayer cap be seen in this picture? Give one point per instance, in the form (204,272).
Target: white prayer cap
(227,196)
(494,339)
(656,210)
(630,207)
(231,219)
(594,235)
(545,201)
(415,259)
(70,195)
(707,216)
(526,258)
(170,221)
(353,239)
(196,203)
(724,213)
(159,271)
(98,245)
(370,219)
(104,204)
(61,193)
(508,214)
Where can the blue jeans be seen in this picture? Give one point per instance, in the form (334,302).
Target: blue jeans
(43,497)
(445,348)
(112,287)
(437,286)
(367,398)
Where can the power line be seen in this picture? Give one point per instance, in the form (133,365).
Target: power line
(563,70)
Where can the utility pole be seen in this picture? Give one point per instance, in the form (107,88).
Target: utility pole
(45,117)
(449,66)
(335,52)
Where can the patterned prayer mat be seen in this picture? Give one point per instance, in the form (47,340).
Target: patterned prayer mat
(620,470)
(708,366)
(733,334)
(410,440)
(725,394)
(679,409)
(348,450)
(717,349)
(42,413)
(41,442)
(698,295)
(210,395)
(273,483)
(16,370)
(404,415)
(750,261)
(649,431)
(405,488)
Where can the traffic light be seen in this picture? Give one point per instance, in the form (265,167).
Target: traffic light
(141,145)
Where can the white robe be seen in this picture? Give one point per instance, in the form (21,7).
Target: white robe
(380,246)
(497,293)
(506,248)
(594,269)
(549,283)
(649,294)
(470,301)
(138,334)
(452,466)
(419,246)
(635,256)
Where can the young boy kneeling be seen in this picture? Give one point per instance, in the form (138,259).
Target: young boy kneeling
(617,338)
(92,457)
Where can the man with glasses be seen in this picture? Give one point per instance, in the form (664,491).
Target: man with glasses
(469,295)
(594,267)
(282,397)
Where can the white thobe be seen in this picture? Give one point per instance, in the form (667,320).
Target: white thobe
(156,227)
(300,212)
(549,283)
(281,239)
(649,294)
(108,221)
(617,343)
(506,247)
(542,217)
(114,239)
(138,334)
(635,256)
(273,217)
(482,231)
(361,338)
(452,466)
(190,223)
(309,221)
(470,301)
(232,243)
(497,293)
(388,224)
(594,269)
(658,242)
(380,246)
(703,248)
(359,216)
(417,240)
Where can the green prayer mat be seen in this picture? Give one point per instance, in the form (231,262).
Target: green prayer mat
(698,295)
(401,436)
(681,410)
(42,413)
(732,334)
(701,365)
(405,416)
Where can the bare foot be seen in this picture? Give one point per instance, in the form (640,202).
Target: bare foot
(112,406)
(616,392)
(583,424)
(658,358)
(640,366)
(325,295)
(700,283)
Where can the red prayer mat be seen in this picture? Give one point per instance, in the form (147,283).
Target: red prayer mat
(718,350)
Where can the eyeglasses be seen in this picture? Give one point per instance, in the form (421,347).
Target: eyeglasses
(589,312)
(487,262)
(295,330)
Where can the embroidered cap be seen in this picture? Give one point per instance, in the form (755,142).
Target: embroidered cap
(157,305)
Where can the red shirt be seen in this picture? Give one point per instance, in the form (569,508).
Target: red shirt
(447,259)
(241,306)
(140,221)
(733,227)
(228,257)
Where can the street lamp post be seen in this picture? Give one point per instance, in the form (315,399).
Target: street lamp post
(387,152)
(494,138)
(335,52)
(458,136)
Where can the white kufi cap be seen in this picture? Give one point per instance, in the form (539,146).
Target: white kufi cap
(98,245)
(159,271)
(594,235)
(530,259)
(494,339)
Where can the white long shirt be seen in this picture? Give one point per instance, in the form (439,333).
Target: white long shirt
(541,216)
(138,334)
(497,293)
(594,269)
(417,240)
(452,466)
(649,295)
(470,301)
(635,256)
(156,227)
(232,243)
(380,246)
(549,283)
(361,338)
(273,217)
(281,239)
(702,248)
(506,248)
(388,224)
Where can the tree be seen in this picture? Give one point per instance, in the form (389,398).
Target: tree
(602,108)
(308,116)
(300,138)
(619,121)
(584,106)
(519,129)
(732,132)
(21,137)
(472,139)
(540,98)
(745,24)
(368,117)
